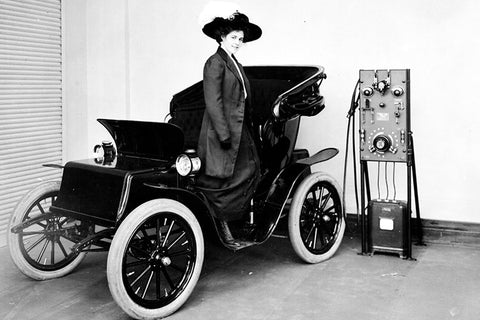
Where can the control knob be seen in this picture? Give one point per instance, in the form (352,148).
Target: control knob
(397,91)
(382,143)
(367,91)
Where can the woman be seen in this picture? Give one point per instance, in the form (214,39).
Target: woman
(226,145)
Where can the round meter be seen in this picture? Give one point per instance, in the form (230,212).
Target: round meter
(382,143)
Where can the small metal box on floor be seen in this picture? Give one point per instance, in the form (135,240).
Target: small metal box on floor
(387,224)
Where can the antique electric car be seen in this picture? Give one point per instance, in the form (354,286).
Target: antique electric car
(138,199)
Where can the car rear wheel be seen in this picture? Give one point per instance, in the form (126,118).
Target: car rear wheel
(316,224)
(42,250)
(155,259)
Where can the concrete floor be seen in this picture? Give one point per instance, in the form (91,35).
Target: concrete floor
(269,282)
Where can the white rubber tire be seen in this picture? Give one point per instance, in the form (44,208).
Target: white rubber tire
(14,245)
(119,246)
(294,218)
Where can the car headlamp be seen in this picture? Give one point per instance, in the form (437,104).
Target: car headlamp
(188,163)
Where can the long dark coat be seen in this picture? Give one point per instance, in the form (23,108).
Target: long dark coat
(230,175)
(224,116)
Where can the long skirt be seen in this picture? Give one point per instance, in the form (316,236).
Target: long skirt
(230,198)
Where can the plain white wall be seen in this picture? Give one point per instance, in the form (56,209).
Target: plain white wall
(125,59)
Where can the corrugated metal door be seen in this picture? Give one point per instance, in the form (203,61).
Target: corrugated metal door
(30,98)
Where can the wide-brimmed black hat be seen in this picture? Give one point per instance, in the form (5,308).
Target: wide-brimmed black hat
(237,21)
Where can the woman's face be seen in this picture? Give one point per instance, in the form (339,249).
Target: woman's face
(232,41)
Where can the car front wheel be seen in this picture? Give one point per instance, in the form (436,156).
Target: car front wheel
(155,259)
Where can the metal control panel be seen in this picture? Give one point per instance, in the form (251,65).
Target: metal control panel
(384,114)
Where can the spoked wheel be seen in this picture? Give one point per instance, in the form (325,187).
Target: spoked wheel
(155,259)
(42,249)
(316,224)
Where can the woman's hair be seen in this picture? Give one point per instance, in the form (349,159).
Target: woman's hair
(224,30)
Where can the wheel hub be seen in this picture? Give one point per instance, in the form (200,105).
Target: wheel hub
(166,261)
(319,217)
(52,230)
(159,259)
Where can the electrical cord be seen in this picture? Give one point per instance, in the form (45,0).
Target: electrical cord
(378,180)
(345,170)
(394,186)
(350,114)
(353,101)
(386,179)
(354,153)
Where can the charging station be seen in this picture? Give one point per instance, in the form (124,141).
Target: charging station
(385,137)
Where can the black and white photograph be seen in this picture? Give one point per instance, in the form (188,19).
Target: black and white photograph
(244,159)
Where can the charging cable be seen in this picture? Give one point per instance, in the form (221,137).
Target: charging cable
(351,123)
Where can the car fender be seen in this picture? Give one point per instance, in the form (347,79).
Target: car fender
(320,156)
(285,184)
(289,177)
(150,191)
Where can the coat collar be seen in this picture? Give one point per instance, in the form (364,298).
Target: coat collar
(229,62)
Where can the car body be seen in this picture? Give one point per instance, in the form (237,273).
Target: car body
(138,199)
